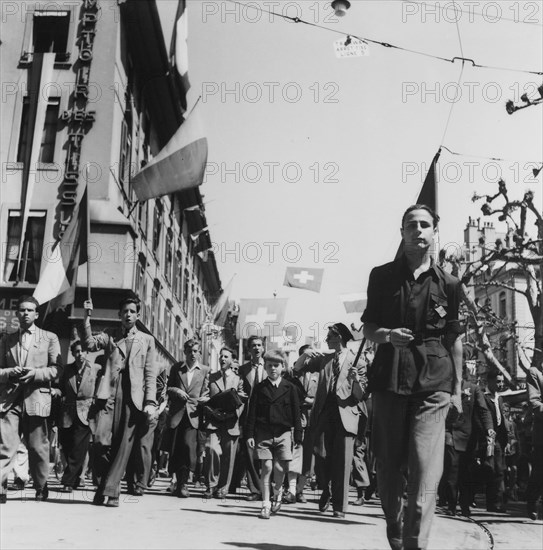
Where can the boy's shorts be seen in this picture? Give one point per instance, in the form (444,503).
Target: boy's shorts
(270,447)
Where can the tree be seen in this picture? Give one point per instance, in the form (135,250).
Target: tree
(519,251)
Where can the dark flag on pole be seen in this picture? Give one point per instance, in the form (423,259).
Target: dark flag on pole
(179,53)
(428,193)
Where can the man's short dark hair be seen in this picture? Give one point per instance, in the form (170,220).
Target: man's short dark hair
(435,217)
(303,348)
(229,350)
(28,299)
(130,298)
(253,338)
(493,374)
(76,343)
(190,343)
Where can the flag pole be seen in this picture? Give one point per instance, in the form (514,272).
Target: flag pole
(88,232)
(359,353)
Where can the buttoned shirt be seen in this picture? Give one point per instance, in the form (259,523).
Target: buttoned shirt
(494,399)
(26,337)
(190,372)
(275,382)
(259,370)
(428,306)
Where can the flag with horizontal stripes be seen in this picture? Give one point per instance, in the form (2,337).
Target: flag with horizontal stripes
(57,281)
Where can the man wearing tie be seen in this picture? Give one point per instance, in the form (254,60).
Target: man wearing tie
(251,373)
(29,362)
(222,434)
(188,385)
(335,414)
(78,386)
(126,394)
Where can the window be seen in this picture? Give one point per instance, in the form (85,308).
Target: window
(178,275)
(154,308)
(49,135)
(23,132)
(168,256)
(29,269)
(503,305)
(126,153)
(50,31)
(186,292)
(157,226)
(142,217)
(167,326)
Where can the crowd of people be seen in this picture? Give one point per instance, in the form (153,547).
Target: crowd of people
(401,419)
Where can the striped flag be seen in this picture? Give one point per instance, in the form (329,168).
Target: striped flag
(180,165)
(58,277)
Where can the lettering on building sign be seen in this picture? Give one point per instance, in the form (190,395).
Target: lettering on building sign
(78,118)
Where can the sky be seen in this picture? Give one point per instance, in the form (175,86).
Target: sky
(313,159)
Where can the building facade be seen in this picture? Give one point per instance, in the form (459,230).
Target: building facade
(88,100)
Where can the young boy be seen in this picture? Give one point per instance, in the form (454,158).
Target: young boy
(274,409)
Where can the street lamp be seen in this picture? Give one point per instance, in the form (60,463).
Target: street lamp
(340,7)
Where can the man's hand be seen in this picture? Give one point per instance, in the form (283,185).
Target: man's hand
(150,412)
(311,353)
(251,442)
(401,337)
(353,373)
(456,402)
(203,399)
(16,372)
(88,307)
(28,375)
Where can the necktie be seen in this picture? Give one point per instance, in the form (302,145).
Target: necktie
(336,367)
(26,335)
(498,413)
(257,375)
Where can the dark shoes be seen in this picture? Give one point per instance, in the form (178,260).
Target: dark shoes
(466,512)
(208,493)
(66,489)
(339,515)
(289,498)
(324,501)
(135,490)
(42,494)
(112,502)
(532,514)
(219,494)
(497,509)
(360,494)
(300,498)
(182,492)
(98,499)
(254,496)
(3,498)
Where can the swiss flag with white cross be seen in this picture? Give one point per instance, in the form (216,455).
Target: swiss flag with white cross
(308,278)
(261,316)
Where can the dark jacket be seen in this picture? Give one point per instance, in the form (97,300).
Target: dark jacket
(275,408)
(501,430)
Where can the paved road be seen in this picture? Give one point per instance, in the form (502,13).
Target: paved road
(159,520)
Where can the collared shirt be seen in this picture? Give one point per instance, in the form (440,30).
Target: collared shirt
(428,306)
(259,370)
(25,341)
(190,372)
(275,382)
(495,400)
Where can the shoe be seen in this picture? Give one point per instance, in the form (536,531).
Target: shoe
(66,489)
(531,513)
(449,512)
(276,506)
(42,494)
(112,502)
(466,512)
(289,498)
(220,494)
(137,491)
(265,513)
(300,498)
(3,498)
(208,493)
(359,501)
(81,484)
(18,484)
(324,501)
(182,492)
(338,514)
(98,499)
(254,496)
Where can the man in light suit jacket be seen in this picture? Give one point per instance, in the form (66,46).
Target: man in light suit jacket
(188,386)
(78,385)
(29,362)
(335,415)
(534,385)
(222,429)
(126,394)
